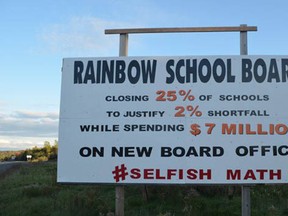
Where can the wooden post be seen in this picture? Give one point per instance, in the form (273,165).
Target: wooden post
(119,191)
(119,201)
(123,45)
(246,200)
(243,41)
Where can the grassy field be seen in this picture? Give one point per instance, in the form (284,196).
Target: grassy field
(32,190)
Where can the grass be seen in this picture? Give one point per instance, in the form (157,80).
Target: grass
(32,190)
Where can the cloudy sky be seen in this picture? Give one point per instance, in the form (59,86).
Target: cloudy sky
(37,34)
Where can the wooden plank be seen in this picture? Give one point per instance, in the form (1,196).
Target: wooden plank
(246,201)
(179,30)
(119,201)
(120,190)
(246,196)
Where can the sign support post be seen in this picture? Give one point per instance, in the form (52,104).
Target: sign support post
(246,200)
(119,198)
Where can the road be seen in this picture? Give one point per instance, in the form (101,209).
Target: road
(6,166)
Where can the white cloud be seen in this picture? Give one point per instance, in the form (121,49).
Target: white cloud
(23,129)
(22,143)
(36,115)
(81,36)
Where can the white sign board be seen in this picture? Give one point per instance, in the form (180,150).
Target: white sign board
(174,120)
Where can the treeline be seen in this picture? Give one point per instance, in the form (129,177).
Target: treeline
(47,152)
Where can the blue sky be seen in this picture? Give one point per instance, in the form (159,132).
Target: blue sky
(37,35)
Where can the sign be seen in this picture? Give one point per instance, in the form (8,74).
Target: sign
(174,120)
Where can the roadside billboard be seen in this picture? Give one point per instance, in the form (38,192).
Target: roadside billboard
(174,120)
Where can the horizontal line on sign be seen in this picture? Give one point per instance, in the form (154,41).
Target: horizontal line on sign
(243,28)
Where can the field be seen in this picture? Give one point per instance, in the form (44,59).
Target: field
(32,190)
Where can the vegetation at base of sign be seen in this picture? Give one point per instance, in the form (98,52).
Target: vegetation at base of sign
(32,190)
(38,154)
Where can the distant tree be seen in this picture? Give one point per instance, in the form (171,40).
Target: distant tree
(10,155)
(47,149)
(47,152)
(54,151)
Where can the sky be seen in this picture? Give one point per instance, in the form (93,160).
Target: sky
(37,34)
